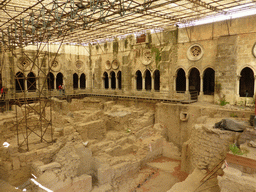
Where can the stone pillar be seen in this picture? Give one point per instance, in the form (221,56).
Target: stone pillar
(238,84)
(103,82)
(25,83)
(135,82)
(116,82)
(174,81)
(201,85)
(143,82)
(78,83)
(109,81)
(152,84)
(187,84)
(254,84)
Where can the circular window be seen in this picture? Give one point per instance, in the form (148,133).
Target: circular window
(108,65)
(115,64)
(55,65)
(195,52)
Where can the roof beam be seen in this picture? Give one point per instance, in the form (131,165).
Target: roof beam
(206,5)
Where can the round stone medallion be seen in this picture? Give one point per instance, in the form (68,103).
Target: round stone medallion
(108,65)
(115,64)
(23,63)
(195,52)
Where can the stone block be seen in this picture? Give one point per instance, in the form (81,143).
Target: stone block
(49,166)
(104,175)
(7,165)
(15,163)
(171,151)
(92,130)
(82,183)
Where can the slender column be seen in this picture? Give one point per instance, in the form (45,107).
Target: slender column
(153,84)
(116,82)
(103,82)
(109,82)
(201,85)
(54,85)
(26,84)
(78,83)
(238,84)
(143,82)
(174,81)
(254,91)
(187,83)
(135,82)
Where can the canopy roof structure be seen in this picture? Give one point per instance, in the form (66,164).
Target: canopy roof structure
(23,22)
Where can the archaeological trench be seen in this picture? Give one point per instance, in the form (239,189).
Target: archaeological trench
(127,145)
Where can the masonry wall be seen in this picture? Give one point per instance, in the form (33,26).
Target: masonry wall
(227,48)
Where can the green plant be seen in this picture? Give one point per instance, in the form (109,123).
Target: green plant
(218,87)
(157,54)
(233,115)
(115,47)
(235,150)
(223,101)
(105,45)
(125,43)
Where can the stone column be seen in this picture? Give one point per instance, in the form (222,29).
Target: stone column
(174,81)
(187,84)
(135,82)
(116,82)
(109,81)
(238,84)
(25,83)
(152,84)
(143,82)
(201,85)
(54,85)
(254,85)
(78,83)
(103,82)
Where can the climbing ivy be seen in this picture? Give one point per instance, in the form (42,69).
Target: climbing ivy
(157,52)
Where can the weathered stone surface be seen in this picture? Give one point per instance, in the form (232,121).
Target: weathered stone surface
(49,166)
(15,163)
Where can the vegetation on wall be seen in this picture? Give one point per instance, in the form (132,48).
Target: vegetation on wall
(126,43)
(105,46)
(157,52)
(222,98)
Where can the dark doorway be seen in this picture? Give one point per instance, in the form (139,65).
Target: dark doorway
(31,82)
(181,80)
(59,79)
(19,81)
(50,81)
(148,80)
(113,80)
(246,88)
(209,81)
(119,79)
(157,80)
(194,80)
(105,76)
(82,81)
(138,80)
(75,81)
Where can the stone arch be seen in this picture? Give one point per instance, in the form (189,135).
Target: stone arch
(148,80)
(75,81)
(31,82)
(180,80)
(113,79)
(209,81)
(82,81)
(246,83)
(119,79)
(50,81)
(156,80)
(138,80)
(194,80)
(105,78)
(19,81)
(59,79)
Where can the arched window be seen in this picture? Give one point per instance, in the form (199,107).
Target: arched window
(246,88)
(59,79)
(148,80)
(75,81)
(31,82)
(113,79)
(209,81)
(194,80)
(105,77)
(138,80)
(19,81)
(50,81)
(157,80)
(82,81)
(119,79)
(181,80)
